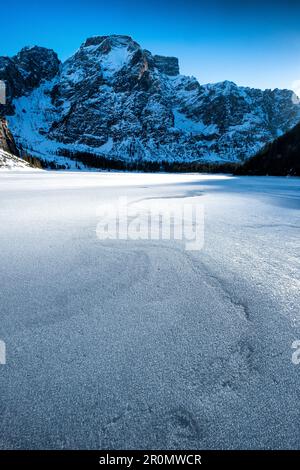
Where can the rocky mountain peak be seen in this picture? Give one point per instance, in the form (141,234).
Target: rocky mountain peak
(37,64)
(26,71)
(101,56)
(104,45)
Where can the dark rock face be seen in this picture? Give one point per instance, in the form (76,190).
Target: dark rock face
(167,65)
(7,142)
(114,98)
(36,64)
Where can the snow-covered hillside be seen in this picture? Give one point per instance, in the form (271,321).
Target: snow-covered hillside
(115,99)
(11,162)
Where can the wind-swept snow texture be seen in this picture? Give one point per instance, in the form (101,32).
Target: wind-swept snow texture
(141,344)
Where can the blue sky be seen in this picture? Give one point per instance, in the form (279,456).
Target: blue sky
(253,43)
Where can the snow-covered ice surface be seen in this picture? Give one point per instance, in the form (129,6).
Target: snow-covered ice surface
(142,344)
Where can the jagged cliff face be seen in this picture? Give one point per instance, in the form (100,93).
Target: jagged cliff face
(114,98)
(25,72)
(22,74)
(7,142)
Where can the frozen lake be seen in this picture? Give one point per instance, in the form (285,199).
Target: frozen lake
(143,344)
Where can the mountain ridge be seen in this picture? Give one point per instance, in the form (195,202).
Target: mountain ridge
(115,99)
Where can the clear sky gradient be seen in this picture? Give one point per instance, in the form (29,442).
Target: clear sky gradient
(253,43)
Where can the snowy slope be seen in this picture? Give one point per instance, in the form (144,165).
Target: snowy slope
(11,162)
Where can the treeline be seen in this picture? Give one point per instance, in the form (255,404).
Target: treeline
(102,162)
(37,162)
(105,163)
(198,167)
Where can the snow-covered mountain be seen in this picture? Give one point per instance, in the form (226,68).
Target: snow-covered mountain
(113,98)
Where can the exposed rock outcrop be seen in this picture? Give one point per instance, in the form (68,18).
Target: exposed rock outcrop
(7,142)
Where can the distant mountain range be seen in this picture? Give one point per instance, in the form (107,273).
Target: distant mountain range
(116,101)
